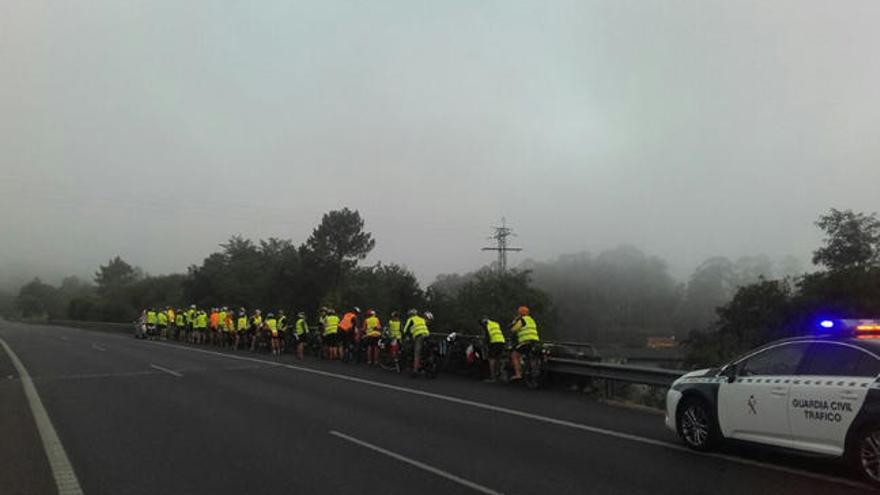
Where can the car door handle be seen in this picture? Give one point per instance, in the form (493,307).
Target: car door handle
(780,391)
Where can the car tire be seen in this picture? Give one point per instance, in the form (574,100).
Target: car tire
(696,424)
(864,454)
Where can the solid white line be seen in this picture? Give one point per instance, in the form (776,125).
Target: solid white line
(420,465)
(166,370)
(62,470)
(536,417)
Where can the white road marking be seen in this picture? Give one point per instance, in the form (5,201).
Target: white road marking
(82,376)
(98,348)
(420,465)
(166,370)
(536,417)
(62,470)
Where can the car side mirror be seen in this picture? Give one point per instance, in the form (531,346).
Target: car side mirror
(729,373)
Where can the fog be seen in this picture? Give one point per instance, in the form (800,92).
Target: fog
(156,130)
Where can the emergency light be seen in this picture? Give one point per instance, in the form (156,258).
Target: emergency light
(862,329)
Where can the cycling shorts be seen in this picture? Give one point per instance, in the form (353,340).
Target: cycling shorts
(330,339)
(496,349)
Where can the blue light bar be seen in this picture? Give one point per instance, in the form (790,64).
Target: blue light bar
(826,324)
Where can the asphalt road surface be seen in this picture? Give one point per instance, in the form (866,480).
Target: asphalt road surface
(136,417)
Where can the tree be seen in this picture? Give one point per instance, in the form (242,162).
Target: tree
(37,299)
(115,275)
(337,244)
(852,240)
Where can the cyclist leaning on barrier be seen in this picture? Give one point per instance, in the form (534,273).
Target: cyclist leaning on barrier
(416,328)
(495,337)
(525,329)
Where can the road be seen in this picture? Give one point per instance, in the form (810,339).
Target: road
(139,417)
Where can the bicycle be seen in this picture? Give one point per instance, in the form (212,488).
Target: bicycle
(534,366)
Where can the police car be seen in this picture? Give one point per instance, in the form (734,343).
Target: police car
(818,394)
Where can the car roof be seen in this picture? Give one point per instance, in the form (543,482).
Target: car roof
(872,345)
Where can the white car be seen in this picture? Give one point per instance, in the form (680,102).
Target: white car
(818,394)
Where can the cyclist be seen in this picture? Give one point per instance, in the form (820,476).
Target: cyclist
(416,328)
(256,328)
(162,324)
(151,322)
(271,326)
(229,335)
(331,331)
(201,326)
(179,324)
(300,329)
(495,337)
(283,331)
(525,329)
(241,327)
(190,323)
(372,332)
(394,333)
(347,329)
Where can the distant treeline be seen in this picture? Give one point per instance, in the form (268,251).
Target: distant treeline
(620,295)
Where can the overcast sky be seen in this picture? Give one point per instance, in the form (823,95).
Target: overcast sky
(154,130)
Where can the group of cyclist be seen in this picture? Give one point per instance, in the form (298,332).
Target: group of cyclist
(334,337)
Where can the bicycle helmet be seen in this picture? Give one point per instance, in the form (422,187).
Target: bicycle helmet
(429,316)
(356,309)
(412,312)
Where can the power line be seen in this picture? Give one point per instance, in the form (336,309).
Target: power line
(500,238)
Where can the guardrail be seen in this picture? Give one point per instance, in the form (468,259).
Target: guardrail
(657,377)
(609,373)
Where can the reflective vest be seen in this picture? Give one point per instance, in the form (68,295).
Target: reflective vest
(331,324)
(230,325)
(494,331)
(372,326)
(221,320)
(202,320)
(282,323)
(163,318)
(151,317)
(213,319)
(347,322)
(189,316)
(394,328)
(179,320)
(170,314)
(301,326)
(272,324)
(256,320)
(416,326)
(242,323)
(528,331)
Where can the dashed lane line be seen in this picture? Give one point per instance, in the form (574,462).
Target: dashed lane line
(166,370)
(420,465)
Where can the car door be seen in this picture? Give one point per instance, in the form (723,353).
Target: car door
(754,405)
(826,398)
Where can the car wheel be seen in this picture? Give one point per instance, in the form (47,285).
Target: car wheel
(865,455)
(696,426)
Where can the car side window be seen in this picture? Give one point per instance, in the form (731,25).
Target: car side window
(780,360)
(830,359)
